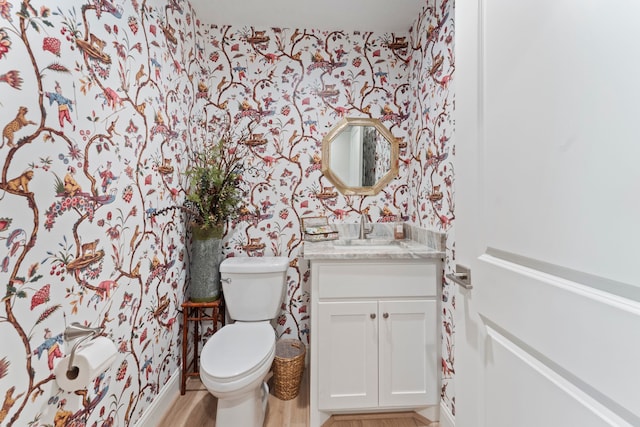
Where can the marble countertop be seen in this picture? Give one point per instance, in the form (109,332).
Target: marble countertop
(379,245)
(400,249)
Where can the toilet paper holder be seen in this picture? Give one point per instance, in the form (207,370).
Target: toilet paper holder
(74,331)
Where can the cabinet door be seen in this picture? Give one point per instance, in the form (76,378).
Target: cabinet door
(347,355)
(408,345)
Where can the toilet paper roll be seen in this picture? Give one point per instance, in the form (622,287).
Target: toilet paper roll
(91,358)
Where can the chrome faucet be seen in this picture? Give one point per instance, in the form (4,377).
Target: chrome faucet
(365,226)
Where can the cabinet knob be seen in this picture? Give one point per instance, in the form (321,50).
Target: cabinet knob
(372,315)
(385,315)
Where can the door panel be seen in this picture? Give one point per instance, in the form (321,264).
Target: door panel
(408,375)
(560,118)
(573,329)
(348,362)
(521,391)
(547,135)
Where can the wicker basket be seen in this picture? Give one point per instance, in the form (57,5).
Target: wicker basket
(288,366)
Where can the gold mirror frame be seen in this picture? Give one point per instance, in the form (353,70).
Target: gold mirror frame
(326,156)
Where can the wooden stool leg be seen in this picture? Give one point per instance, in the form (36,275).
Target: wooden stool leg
(196,340)
(214,314)
(185,327)
(220,315)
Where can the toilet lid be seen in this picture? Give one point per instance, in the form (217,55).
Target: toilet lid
(237,349)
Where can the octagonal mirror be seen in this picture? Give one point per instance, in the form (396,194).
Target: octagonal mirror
(359,156)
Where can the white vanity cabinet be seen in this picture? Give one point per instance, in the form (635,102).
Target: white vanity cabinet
(375,336)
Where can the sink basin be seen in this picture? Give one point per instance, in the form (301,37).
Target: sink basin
(365,242)
(370,248)
(367,245)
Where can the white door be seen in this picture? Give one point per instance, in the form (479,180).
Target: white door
(548,213)
(348,355)
(407,338)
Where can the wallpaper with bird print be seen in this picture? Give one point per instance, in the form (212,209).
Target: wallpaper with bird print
(102,103)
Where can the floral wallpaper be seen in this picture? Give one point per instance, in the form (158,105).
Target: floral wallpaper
(430,153)
(102,102)
(286,89)
(95,101)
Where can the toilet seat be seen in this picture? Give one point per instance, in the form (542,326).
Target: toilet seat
(238,350)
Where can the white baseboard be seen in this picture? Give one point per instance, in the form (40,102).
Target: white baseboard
(446,417)
(155,412)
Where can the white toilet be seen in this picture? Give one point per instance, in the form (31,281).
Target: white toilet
(236,359)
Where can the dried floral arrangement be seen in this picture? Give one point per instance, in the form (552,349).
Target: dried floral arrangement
(212,192)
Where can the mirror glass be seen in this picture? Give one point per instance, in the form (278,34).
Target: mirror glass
(359,156)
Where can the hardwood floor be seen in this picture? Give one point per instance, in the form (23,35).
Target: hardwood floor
(198,408)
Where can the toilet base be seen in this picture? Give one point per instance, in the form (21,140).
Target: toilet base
(246,410)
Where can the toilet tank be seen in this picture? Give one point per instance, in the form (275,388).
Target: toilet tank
(254,287)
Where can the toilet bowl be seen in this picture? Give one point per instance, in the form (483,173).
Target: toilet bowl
(233,365)
(235,360)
